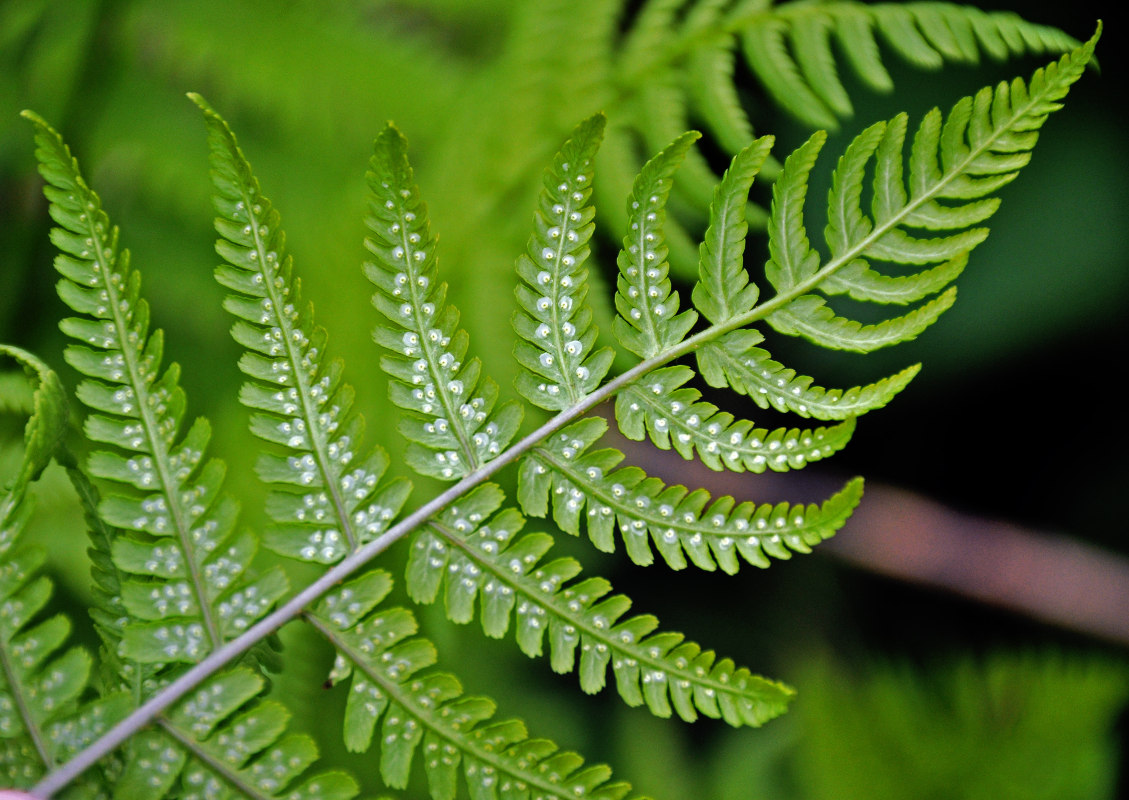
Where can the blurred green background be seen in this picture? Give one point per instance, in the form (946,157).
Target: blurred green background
(904,691)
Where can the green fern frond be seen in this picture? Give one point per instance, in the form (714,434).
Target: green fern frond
(325,500)
(426,709)
(167,544)
(553,320)
(955,164)
(723,289)
(44,717)
(674,416)
(473,552)
(685,60)
(735,361)
(648,320)
(677,521)
(222,741)
(711,77)
(181,569)
(453,426)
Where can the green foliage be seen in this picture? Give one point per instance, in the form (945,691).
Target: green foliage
(1005,726)
(187,614)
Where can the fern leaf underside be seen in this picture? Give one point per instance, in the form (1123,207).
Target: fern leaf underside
(181,568)
(168,538)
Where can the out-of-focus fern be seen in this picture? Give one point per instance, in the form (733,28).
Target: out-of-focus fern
(186,623)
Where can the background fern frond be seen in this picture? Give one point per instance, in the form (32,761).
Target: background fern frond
(326,499)
(685,64)
(554,321)
(416,707)
(474,553)
(789,47)
(44,716)
(678,522)
(453,425)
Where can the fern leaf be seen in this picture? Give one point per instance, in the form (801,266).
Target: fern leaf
(421,709)
(678,63)
(473,552)
(723,290)
(955,164)
(733,360)
(44,719)
(648,320)
(553,320)
(325,501)
(767,53)
(138,409)
(678,522)
(453,427)
(674,416)
(222,741)
(182,570)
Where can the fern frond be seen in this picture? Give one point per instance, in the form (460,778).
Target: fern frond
(453,426)
(44,718)
(182,571)
(418,708)
(473,552)
(325,500)
(169,578)
(710,77)
(671,415)
(723,289)
(678,522)
(177,507)
(648,320)
(222,741)
(733,360)
(955,164)
(790,47)
(684,61)
(553,320)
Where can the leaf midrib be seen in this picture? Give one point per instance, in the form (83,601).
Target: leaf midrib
(309,414)
(168,487)
(466,744)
